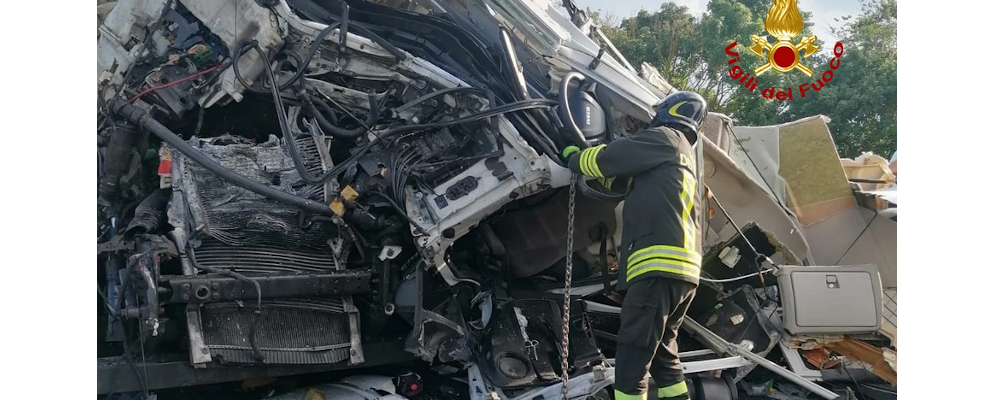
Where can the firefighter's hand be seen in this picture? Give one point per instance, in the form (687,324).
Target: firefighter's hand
(568,152)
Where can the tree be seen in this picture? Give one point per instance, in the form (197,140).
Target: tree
(666,39)
(861,99)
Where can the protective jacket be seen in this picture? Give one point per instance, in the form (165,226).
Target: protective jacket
(661,234)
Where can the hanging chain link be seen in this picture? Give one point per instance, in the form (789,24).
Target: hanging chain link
(567,285)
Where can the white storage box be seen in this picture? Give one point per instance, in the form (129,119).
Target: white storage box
(846,299)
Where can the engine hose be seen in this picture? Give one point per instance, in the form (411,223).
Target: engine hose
(320,13)
(117,158)
(143,119)
(565,109)
(380,136)
(502,109)
(148,215)
(301,68)
(284,126)
(235,64)
(313,105)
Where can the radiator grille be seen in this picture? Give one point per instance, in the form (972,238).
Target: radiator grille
(288,332)
(263,258)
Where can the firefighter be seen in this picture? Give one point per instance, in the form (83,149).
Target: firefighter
(661,240)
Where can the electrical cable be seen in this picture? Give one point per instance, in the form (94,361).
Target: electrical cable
(257,287)
(759,256)
(178,81)
(143,119)
(738,278)
(318,13)
(235,63)
(284,125)
(144,359)
(301,68)
(855,382)
(142,379)
(866,228)
(503,109)
(314,104)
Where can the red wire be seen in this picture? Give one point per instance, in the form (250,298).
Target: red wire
(173,83)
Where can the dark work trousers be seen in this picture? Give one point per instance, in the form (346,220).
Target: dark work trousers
(652,311)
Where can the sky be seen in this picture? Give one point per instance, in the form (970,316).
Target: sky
(823,11)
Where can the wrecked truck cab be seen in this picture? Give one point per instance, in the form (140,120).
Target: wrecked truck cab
(289,187)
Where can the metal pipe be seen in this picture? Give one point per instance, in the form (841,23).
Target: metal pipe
(143,119)
(721,345)
(513,61)
(565,109)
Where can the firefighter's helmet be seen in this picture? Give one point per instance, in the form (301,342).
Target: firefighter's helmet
(684,110)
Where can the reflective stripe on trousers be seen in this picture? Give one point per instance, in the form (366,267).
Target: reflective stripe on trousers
(678,391)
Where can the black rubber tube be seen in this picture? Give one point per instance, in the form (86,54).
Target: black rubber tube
(320,13)
(148,215)
(313,105)
(117,159)
(301,68)
(141,118)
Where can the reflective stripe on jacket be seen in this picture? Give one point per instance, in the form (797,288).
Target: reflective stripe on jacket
(661,233)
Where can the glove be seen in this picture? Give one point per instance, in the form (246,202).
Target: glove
(568,151)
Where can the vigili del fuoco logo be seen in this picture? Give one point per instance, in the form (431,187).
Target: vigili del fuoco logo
(784,23)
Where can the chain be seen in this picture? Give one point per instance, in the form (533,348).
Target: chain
(567,285)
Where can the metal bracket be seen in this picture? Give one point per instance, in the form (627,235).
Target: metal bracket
(116,243)
(723,346)
(598,59)
(202,289)
(389,253)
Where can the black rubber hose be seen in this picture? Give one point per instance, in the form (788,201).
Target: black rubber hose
(235,61)
(117,158)
(141,118)
(565,109)
(148,215)
(503,109)
(284,124)
(320,13)
(301,68)
(313,105)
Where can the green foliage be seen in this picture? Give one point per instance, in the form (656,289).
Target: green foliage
(689,52)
